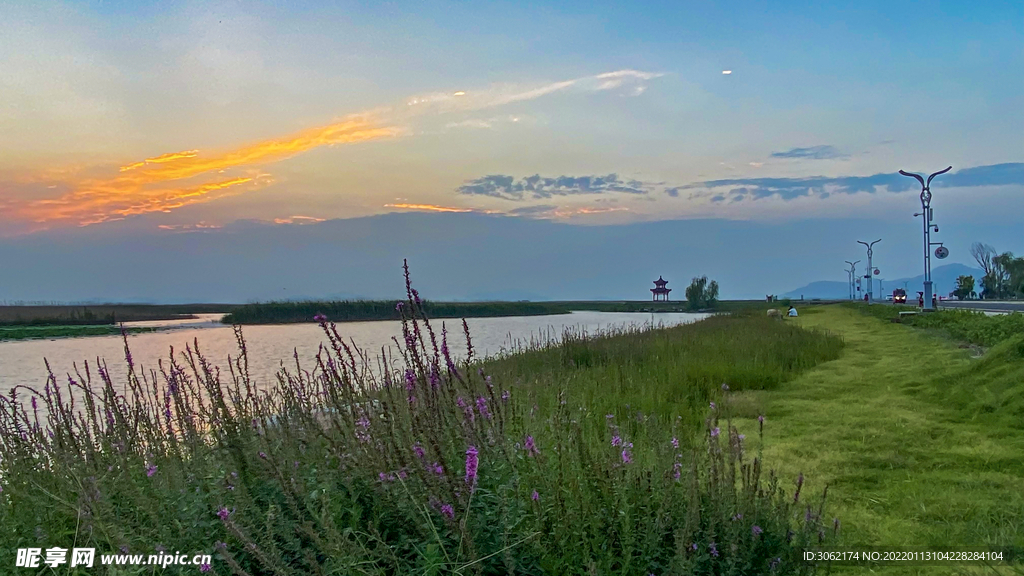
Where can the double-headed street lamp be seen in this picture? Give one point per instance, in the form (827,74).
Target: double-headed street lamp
(926,217)
(853,274)
(870,274)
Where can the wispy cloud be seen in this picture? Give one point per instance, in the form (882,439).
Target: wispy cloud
(536,186)
(429,208)
(169,181)
(823,152)
(739,189)
(298,220)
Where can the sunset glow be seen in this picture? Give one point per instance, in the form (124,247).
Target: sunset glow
(137,189)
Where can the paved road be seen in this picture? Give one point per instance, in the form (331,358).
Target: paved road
(988,305)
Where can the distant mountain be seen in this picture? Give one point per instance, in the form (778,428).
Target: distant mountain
(943,282)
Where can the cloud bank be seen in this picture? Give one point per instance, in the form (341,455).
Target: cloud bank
(739,189)
(539,187)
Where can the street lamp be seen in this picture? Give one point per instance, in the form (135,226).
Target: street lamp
(870,274)
(853,274)
(926,217)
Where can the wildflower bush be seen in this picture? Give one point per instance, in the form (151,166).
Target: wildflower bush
(424,465)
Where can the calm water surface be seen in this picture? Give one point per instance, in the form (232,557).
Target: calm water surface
(270,347)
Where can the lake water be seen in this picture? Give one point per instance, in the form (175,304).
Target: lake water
(22,362)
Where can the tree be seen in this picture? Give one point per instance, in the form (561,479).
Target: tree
(1004,274)
(1014,268)
(701,294)
(983,254)
(712,293)
(695,292)
(964,287)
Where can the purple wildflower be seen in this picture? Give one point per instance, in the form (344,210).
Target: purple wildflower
(418,450)
(505,396)
(714,432)
(263,455)
(535,496)
(399,305)
(713,549)
(760,419)
(609,416)
(677,470)
(223,514)
(410,379)
(481,406)
(713,407)
(150,470)
(383,477)
(320,318)
(626,457)
(437,468)
(742,437)
(472,462)
(448,511)
(220,545)
(693,546)
(755,530)
(675,443)
(738,516)
(616,440)
(204,568)
(530,446)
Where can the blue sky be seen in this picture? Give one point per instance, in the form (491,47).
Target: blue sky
(170,118)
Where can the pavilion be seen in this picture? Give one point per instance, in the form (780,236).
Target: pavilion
(659,292)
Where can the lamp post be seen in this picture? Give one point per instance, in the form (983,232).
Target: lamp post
(853,274)
(926,217)
(870,275)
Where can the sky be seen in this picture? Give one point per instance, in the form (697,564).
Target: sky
(128,124)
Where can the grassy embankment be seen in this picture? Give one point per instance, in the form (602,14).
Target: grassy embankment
(31,322)
(356,310)
(103,314)
(574,468)
(42,332)
(920,440)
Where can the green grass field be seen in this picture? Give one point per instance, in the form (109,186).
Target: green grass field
(921,443)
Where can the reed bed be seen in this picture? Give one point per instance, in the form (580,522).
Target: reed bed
(516,465)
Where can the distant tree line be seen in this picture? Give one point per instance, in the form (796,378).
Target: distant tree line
(1003,273)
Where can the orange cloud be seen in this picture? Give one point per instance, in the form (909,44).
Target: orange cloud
(298,220)
(142,187)
(429,208)
(169,157)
